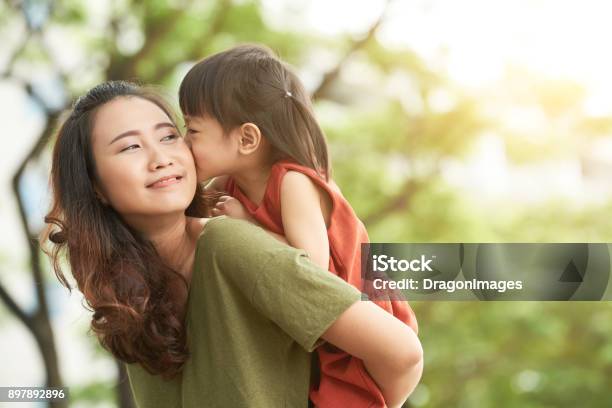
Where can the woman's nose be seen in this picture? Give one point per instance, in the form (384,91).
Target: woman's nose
(159,160)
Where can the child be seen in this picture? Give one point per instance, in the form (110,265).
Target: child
(251,127)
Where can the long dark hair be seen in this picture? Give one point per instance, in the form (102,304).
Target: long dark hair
(248,83)
(122,277)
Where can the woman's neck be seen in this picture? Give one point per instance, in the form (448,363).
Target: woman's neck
(174,238)
(253,182)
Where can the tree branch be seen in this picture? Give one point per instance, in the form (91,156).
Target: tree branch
(195,51)
(15,308)
(123,390)
(154,32)
(38,323)
(15,54)
(332,75)
(31,238)
(400,201)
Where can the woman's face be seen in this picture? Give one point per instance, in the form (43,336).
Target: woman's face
(143,165)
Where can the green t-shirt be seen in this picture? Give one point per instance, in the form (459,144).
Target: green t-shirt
(256,310)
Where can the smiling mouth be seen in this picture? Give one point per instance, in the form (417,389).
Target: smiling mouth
(166,181)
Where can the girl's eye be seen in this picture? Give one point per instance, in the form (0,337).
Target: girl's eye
(131,147)
(169,137)
(191,131)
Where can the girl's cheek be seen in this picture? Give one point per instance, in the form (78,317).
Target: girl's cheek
(197,153)
(194,146)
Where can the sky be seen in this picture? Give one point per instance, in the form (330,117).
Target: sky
(479,45)
(474,41)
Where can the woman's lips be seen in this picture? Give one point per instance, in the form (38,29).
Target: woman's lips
(165,182)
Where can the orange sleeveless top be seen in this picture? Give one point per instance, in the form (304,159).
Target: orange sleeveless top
(344,381)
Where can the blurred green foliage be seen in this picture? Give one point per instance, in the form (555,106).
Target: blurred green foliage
(387,157)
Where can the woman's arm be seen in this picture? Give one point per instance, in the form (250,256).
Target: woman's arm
(311,304)
(390,350)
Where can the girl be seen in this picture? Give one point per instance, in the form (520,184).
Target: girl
(188,302)
(251,127)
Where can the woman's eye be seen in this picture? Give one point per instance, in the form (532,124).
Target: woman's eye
(169,137)
(131,147)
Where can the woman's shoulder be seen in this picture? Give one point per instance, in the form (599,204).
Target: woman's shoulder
(226,235)
(201,227)
(237,250)
(221,225)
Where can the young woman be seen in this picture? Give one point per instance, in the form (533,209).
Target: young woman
(205,312)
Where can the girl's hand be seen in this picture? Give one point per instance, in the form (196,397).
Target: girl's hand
(228,205)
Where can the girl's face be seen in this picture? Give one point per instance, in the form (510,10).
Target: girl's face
(144,166)
(215,153)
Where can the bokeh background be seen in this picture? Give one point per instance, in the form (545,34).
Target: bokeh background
(471,121)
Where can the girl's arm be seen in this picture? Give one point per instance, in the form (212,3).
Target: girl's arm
(301,213)
(390,350)
(302,216)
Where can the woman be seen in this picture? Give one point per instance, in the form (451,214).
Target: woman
(205,312)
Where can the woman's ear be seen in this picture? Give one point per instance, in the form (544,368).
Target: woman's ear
(249,138)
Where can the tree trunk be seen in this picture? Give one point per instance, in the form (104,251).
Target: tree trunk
(124,392)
